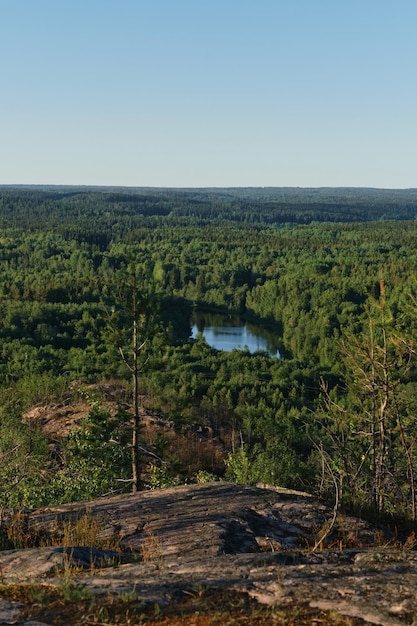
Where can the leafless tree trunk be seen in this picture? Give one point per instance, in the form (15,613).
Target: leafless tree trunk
(140,313)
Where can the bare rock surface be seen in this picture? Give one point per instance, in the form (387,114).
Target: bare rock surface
(221,535)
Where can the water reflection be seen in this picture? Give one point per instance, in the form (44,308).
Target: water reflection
(228,332)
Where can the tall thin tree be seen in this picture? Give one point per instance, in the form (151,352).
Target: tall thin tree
(134,321)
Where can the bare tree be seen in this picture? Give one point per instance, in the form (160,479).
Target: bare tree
(134,321)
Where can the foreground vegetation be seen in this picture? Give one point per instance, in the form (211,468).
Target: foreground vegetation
(99,285)
(196,607)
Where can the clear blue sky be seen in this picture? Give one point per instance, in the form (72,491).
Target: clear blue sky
(191,93)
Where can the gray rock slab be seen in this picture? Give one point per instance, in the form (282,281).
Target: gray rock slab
(32,564)
(9,611)
(221,535)
(209,519)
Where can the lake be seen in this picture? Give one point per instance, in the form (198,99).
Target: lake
(230,332)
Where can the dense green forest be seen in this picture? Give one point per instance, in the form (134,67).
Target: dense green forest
(100,283)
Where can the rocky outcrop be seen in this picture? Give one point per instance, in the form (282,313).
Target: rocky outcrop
(256,540)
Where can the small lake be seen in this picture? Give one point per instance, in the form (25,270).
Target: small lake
(229,332)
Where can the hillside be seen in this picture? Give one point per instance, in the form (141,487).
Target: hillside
(102,386)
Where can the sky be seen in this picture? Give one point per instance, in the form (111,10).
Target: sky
(209,93)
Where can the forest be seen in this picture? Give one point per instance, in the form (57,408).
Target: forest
(99,284)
